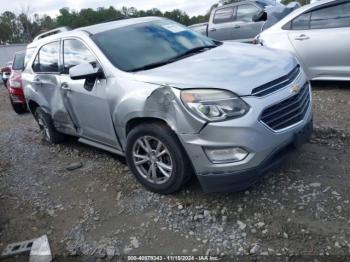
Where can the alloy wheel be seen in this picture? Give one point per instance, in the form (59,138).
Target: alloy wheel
(44,128)
(152,160)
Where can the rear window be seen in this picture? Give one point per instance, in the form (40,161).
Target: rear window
(18,61)
(224,15)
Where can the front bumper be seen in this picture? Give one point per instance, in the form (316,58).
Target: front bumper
(240,180)
(265,146)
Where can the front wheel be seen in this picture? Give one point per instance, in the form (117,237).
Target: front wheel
(157,159)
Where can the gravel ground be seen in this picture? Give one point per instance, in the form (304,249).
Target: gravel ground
(301,208)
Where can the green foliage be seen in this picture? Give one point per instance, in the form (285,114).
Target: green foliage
(23,28)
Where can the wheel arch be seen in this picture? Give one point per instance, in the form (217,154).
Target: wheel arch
(134,122)
(32,105)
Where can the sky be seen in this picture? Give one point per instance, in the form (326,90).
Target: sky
(51,7)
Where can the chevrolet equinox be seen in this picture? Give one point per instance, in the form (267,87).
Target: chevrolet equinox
(172,101)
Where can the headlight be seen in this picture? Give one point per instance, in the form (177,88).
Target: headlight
(214,104)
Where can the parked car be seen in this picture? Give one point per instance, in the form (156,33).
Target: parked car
(6,72)
(172,101)
(318,34)
(15,86)
(243,21)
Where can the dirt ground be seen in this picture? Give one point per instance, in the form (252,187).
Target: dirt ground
(301,208)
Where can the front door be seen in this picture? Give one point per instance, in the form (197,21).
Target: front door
(222,24)
(87,101)
(321,40)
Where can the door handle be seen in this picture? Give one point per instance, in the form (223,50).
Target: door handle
(212,29)
(236,26)
(65,86)
(302,37)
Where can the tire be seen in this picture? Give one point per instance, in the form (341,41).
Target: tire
(50,134)
(19,108)
(174,157)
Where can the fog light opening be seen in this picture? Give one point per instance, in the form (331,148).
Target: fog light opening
(226,155)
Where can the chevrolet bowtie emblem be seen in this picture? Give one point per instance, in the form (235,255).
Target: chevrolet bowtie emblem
(296,88)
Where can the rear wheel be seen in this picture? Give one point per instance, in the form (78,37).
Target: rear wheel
(19,108)
(157,159)
(50,134)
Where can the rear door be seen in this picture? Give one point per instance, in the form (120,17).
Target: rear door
(45,80)
(222,24)
(245,28)
(321,39)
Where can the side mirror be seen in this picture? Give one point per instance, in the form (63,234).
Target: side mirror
(261,16)
(85,71)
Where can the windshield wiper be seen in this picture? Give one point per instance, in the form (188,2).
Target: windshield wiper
(176,58)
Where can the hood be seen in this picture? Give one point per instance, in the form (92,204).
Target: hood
(232,66)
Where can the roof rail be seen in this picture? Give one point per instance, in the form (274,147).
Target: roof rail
(52,32)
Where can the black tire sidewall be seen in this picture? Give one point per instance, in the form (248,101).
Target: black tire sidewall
(181,167)
(18,108)
(55,136)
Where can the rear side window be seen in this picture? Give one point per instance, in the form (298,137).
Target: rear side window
(75,53)
(331,17)
(46,60)
(245,13)
(224,15)
(302,22)
(28,55)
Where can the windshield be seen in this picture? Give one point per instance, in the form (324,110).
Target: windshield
(18,62)
(152,43)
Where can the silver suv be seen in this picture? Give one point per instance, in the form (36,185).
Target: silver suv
(174,102)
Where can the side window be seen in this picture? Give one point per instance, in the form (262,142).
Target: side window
(301,22)
(28,55)
(331,17)
(46,60)
(75,53)
(245,13)
(224,15)
(18,62)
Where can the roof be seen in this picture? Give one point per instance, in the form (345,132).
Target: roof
(94,29)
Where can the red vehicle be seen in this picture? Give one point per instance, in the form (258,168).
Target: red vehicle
(15,86)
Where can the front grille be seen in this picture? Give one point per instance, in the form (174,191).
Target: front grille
(276,84)
(288,112)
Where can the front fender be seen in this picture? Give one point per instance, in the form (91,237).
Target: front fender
(154,101)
